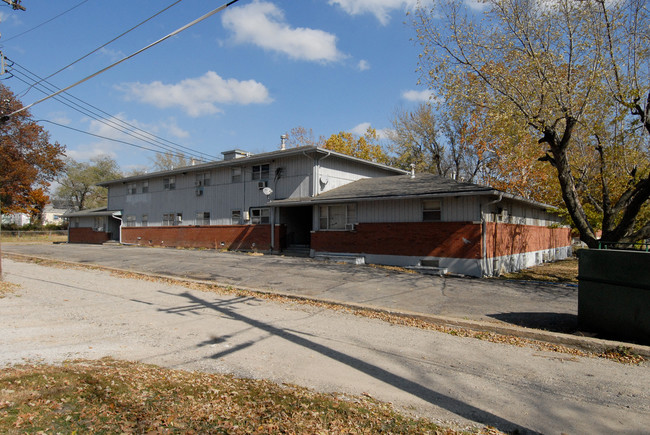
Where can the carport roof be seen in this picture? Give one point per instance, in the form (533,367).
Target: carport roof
(101,211)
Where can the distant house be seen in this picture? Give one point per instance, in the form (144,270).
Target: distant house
(327,203)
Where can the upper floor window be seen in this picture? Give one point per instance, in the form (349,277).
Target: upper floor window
(131,189)
(169,183)
(235,174)
(337,217)
(261,172)
(145,186)
(202,179)
(431,210)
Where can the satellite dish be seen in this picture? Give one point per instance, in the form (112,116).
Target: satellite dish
(324,179)
(267,191)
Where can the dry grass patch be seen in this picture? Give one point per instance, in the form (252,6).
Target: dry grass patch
(7,288)
(109,396)
(558,271)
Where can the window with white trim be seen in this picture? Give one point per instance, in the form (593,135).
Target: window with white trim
(235,217)
(130,221)
(168,219)
(260,216)
(337,217)
(203,218)
(145,186)
(261,172)
(145,220)
(131,189)
(169,183)
(235,174)
(431,210)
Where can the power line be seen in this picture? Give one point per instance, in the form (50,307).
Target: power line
(45,22)
(174,33)
(112,121)
(107,43)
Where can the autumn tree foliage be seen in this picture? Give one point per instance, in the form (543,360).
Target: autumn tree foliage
(29,162)
(78,184)
(365,147)
(576,75)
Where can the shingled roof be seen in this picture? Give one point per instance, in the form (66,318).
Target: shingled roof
(403,186)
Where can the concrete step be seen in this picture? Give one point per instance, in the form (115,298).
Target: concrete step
(342,258)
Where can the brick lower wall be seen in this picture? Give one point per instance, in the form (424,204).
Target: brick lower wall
(510,239)
(425,239)
(87,235)
(235,237)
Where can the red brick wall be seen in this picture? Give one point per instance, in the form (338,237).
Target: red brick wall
(236,237)
(509,239)
(424,239)
(87,235)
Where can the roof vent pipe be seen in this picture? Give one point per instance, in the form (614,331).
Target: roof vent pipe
(412,170)
(283,143)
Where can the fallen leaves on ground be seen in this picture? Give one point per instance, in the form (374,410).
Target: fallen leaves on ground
(556,271)
(109,396)
(410,321)
(7,288)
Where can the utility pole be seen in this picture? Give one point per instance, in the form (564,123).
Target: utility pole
(15,4)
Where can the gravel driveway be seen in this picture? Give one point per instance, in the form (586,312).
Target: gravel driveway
(59,314)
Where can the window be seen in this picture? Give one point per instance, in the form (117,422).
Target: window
(169,183)
(145,220)
(431,210)
(337,217)
(203,218)
(202,179)
(235,217)
(261,172)
(99,223)
(168,219)
(179,219)
(260,216)
(145,186)
(130,221)
(235,175)
(131,189)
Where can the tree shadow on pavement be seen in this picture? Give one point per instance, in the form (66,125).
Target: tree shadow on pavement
(436,398)
(555,322)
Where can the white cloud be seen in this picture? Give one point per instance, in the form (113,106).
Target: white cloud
(112,55)
(381,9)
(419,96)
(263,24)
(363,65)
(362,128)
(198,96)
(476,5)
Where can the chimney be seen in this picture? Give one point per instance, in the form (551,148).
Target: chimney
(283,143)
(412,170)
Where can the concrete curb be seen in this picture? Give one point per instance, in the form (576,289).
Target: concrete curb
(589,344)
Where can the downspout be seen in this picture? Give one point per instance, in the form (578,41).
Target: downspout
(484,235)
(121,222)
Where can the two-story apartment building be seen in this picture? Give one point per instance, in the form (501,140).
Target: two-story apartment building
(330,204)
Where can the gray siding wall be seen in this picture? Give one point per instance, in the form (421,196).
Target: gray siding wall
(340,172)
(518,213)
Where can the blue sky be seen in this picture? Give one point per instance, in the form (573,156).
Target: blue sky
(239,79)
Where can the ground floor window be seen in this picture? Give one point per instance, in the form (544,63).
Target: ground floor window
(203,218)
(431,210)
(235,217)
(130,221)
(99,223)
(145,220)
(260,216)
(337,217)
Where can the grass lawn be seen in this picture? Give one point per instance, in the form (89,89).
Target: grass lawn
(109,396)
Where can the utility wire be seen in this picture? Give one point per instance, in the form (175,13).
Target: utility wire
(107,43)
(122,126)
(45,22)
(174,33)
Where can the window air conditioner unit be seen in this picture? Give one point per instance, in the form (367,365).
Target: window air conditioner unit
(349,227)
(199,192)
(262,184)
(198,183)
(247,216)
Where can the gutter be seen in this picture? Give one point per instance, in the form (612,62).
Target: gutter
(484,235)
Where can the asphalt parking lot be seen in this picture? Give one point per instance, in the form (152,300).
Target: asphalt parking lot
(547,306)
